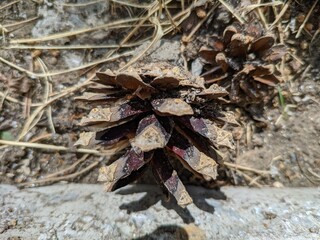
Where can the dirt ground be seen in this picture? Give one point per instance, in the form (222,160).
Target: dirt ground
(279,146)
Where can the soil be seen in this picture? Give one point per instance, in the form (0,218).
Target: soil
(283,139)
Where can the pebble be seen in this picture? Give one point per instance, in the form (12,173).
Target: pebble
(191,232)
(277,185)
(52,61)
(139,219)
(196,67)
(87,219)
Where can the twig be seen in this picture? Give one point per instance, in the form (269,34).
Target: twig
(254,181)
(67,169)
(182,5)
(236,166)
(248,178)
(253,6)
(64,149)
(61,178)
(38,138)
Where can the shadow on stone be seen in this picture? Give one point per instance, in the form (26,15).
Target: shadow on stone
(169,232)
(154,195)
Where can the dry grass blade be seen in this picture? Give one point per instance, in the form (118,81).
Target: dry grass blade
(182,5)
(306,175)
(315,175)
(232,11)
(196,28)
(282,12)
(127,3)
(37,114)
(31,121)
(153,9)
(253,6)
(306,19)
(9,4)
(69,47)
(315,35)
(41,137)
(175,26)
(39,109)
(81,4)
(68,169)
(93,63)
(4,96)
(47,181)
(157,37)
(250,179)
(49,147)
(244,168)
(262,16)
(4,31)
(117,24)
(21,22)
(48,91)
(13,100)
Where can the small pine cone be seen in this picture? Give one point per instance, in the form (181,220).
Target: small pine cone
(243,61)
(165,115)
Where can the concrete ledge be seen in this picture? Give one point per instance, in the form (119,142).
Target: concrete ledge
(77,211)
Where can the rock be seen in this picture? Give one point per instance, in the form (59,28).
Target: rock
(277,185)
(83,211)
(191,232)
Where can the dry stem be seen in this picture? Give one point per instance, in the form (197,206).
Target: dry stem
(306,19)
(47,181)
(236,166)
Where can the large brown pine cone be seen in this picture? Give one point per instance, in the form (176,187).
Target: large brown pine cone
(165,114)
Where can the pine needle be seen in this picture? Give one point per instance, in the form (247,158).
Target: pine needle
(306,19)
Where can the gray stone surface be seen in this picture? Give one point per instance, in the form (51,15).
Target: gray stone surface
(75,211)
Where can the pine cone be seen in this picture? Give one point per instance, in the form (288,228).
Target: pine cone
(243,61)
(166,115)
